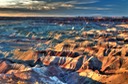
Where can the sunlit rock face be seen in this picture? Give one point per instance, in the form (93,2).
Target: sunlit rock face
(63,52)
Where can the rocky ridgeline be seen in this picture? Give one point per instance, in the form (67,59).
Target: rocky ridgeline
(77,57)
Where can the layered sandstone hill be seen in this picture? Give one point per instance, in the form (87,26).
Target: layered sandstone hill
(86,57)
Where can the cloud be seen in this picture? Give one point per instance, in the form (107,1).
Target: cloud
(35,4)
(43,4)
(48,4)
(65,7)
(83,2)
(4,3)
(92,8)
(110,5)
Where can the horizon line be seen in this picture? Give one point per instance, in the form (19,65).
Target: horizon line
(65,16)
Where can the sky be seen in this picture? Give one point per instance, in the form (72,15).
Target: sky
(63,8)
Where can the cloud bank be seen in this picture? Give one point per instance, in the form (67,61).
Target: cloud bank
(65,7)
